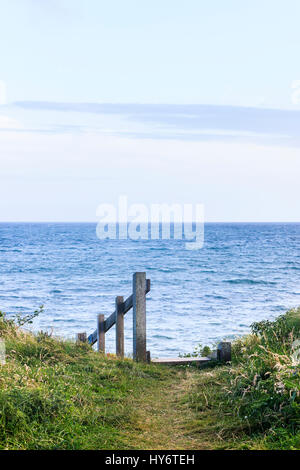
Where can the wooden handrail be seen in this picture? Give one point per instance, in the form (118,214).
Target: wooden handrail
(137,301)
(111,320)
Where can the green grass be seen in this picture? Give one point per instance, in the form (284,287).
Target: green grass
(57,395)
(255,402)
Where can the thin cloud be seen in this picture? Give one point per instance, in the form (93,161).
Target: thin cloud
(184,122)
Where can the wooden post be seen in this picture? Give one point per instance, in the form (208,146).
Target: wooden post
(148,357)
(101,333)
(224,352)
(139,317)
(81,337)
(120,326)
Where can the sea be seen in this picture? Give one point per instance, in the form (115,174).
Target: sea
(244,273)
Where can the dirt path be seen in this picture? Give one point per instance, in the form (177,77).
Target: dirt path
(164,420)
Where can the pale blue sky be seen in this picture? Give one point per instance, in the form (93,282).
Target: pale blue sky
(179,79)
(234,52)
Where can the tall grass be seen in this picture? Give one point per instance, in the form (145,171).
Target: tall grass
(258,395)
(58,395)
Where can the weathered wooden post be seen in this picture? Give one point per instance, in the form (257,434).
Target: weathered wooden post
(81,338)
(224,351)
(101,333)
(120,326)
(148,357)
(139,317)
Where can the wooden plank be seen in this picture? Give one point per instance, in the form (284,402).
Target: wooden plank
(92,339)
(101,333)
(177,361)
(120,326)
(111,320)
(139,317)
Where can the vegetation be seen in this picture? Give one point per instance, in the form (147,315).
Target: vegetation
(58,395)
(255,402)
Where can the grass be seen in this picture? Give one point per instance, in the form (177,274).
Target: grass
(57,395)
(255,402)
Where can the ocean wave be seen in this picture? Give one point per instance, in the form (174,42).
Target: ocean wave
(215,296)
(249,281)
(162,337)
(196,296)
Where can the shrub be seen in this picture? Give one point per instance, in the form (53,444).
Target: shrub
(259,393)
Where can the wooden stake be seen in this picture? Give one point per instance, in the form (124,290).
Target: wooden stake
(139,317)
(81,337)
(101,333)
(120,326)
(148,357)
(224,352)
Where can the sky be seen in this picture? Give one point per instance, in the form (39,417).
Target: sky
(172,102)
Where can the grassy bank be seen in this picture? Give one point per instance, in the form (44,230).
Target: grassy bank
(56,395)
(255,402)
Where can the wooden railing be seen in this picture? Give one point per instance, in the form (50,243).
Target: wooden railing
(136,301)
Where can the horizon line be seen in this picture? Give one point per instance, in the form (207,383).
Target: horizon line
(149,222)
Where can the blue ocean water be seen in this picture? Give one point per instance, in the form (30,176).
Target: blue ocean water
(244,273)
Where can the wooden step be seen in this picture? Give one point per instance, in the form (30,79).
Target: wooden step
(181,361)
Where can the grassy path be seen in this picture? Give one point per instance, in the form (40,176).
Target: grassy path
(163,418)
(59,395)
